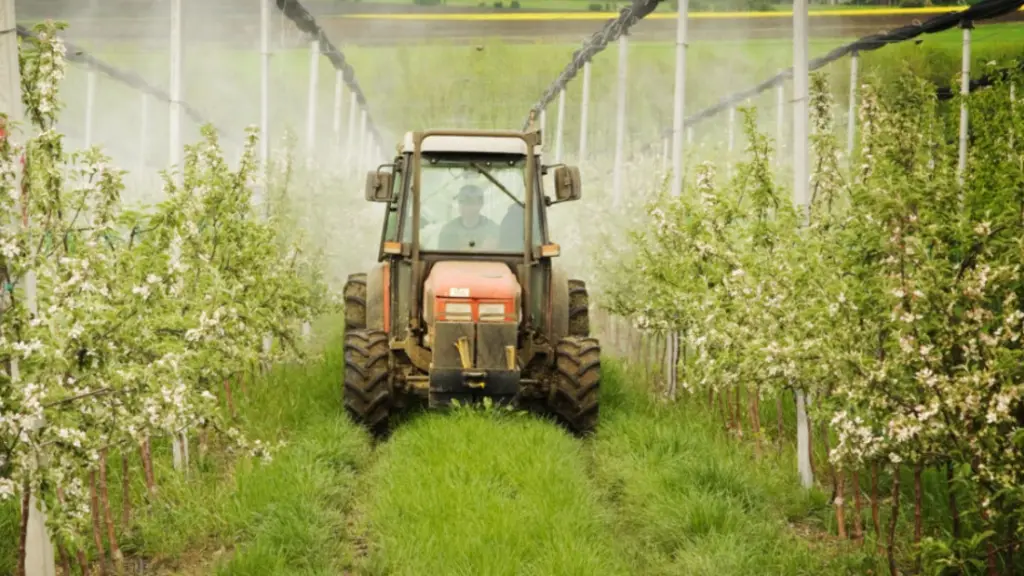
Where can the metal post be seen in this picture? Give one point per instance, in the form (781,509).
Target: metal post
(543,121)
(780,119)
(143,132)
(175,140)
(732,132)
(584,109)
(620,120)
(265,81)
(90,105)
(560,129)
(339,84)
(362,141)
(965,88)
(351,135)
(851,116)
(664,151)
(679,105)
(314,84)
(175,105)
(801,82)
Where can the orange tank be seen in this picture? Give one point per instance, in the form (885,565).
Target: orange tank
(473,282)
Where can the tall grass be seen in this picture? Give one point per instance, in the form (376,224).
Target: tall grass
(232,515)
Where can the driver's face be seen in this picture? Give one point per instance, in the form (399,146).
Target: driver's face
(470,207)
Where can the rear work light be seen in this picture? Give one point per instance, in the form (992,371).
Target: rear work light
(492,312)
(458,311)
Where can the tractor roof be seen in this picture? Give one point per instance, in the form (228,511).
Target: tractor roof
(473,144)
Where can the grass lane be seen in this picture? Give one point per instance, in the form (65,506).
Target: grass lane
(472,492)
(288,516)
(689,500)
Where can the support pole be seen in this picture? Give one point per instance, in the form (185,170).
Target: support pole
(339,84)
(265,82)
(143,132)
(350,131)
(732,135)
(543,121)
(801,82)
(90,106)
(314,85)
(620,120)
(584,110)
(679,106)
(361,152)
(780,119)
(665,147)
(851,116)
(175,104)
(965,88)
(560,130)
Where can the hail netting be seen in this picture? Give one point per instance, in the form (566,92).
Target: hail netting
(596,43)
(983,10)
(80,56)
(307,24)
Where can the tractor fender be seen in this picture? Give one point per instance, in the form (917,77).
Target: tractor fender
(558,302)
(376,296)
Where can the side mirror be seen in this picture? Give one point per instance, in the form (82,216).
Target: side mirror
(378,186)
(567,184)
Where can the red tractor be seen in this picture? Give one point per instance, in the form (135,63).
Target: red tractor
(466,300)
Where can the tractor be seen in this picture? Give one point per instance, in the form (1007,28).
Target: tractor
(466,300)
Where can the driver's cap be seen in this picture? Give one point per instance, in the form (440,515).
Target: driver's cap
(470,192)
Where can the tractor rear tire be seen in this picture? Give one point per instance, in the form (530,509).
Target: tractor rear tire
(579,309)
(366,393)
(355,302)
(574,390)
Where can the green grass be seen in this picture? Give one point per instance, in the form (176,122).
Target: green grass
(690,500)
(467,493)
(235,515)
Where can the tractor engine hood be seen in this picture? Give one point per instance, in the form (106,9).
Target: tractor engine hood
(471,282)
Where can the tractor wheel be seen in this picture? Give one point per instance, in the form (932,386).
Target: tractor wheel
(579,309)
(355,302)
(574,389)
(367,393)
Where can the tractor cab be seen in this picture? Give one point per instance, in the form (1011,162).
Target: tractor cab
(466,300)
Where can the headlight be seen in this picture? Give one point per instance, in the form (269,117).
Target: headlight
(492,312)
(458,311)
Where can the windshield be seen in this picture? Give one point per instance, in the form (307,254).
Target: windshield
(472,204)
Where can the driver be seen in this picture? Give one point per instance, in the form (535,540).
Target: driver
(471,230)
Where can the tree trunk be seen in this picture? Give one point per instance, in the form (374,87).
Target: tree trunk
(858,519)
(875,515)
(724,403)
(780,419)
(115,552)
(227,394)
(755,419)
(65,562)
(840,503)
(738,406)
(918,528)
(147,468)
(990,549)
(126,493)
(23,536)
(836,488)
(954,511)
(891,548)
(97,533)
(83,563)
